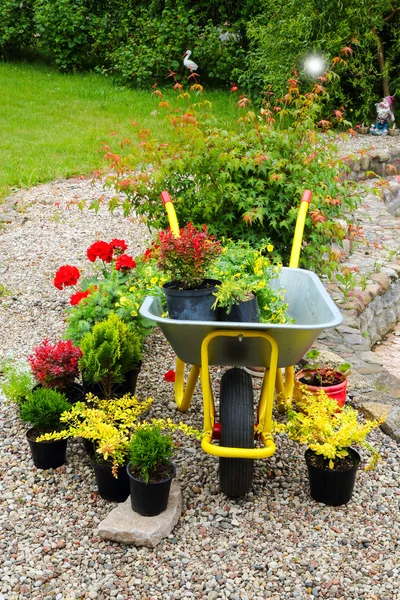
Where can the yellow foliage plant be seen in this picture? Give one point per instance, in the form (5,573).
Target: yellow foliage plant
(328,429)
(109,424)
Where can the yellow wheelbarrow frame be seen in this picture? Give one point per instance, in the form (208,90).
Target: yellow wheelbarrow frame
(272,381)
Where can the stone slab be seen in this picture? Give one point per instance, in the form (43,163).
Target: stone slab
(375,410)
(125,526)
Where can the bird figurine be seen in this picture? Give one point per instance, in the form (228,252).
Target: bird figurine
(189,64)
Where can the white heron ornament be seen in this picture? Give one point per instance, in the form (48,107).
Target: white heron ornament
(189,64)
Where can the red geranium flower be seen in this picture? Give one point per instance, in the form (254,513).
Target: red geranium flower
(119,245)
(124,262)
(100,250)
(65,276)
(76,298)
(170,376)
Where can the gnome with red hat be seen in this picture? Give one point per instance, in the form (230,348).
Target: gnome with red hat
(383,115)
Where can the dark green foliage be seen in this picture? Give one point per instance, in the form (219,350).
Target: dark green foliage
(44,408)
(148,450)
(110,350)
(16,25)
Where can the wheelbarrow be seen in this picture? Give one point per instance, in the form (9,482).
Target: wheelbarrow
(270,345)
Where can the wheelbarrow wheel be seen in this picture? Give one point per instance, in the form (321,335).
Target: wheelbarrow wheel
(237,431)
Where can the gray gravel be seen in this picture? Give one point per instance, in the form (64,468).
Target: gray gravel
(276,543)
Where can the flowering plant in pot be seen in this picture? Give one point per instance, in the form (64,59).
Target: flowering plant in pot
(150,469)
(43,410)
(105,425)
(245,273)
(111,353)
(315,375)
(57,366)
(329,431)
(186,259)
(118,283)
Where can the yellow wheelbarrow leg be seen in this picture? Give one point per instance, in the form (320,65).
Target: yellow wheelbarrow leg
(284,390)
(183,396)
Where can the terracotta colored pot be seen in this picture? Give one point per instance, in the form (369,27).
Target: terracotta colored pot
(337,392)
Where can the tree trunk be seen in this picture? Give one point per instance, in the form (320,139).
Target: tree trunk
(381,62)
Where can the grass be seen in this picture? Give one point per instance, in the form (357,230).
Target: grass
(53,125)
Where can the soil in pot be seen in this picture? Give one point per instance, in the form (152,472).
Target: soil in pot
(335,390)
(191,305)
(46,455)
(151,499)
(243,312)
(333,487)
(113,489)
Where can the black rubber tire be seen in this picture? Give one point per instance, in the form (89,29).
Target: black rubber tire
(237,430)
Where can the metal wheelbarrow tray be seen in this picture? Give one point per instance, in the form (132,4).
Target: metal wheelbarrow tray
(309,304)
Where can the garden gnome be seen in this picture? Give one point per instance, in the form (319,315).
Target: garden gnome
(383,115)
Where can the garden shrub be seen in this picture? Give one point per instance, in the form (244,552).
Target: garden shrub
(16,25)
(243,184)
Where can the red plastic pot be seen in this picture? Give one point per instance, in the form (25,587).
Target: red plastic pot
(337,392)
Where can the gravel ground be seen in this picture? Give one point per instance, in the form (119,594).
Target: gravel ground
(277,543)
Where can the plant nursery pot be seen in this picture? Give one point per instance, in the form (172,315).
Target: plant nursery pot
(191,305)
(333,487)
(46,455)
(394,132)
(336,392)
(244,312)
(150,499)
(119,389)
(111,488)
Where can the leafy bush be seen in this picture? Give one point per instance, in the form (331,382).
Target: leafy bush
(110,350)
(17,382)
(148,451)
(243,184)
(16,25)
(43,409)
(63,26)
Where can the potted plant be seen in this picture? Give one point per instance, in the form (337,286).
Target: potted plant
(57,366)
(43,409)
(315,376)
(111,356)
(244,293)
(105,426)
(186,260)
(329,432)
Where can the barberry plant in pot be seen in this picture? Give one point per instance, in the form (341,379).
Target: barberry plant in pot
(186,259)
(109,353)
(316,376)
(56,366)
(105,426)
(329,431)
(43,410)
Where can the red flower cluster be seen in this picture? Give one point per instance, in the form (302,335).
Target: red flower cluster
(55,365)
(124,262)
(169,376)
(118,245)
(76,298)
(101,250)
(65,276)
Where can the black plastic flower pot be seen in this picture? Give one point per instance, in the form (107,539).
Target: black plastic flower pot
(150,499)
(46,455)
(128,386)
(191,305)
(333,487)
(113,489)
(243,312)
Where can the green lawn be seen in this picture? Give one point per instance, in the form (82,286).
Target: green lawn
(53,125)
